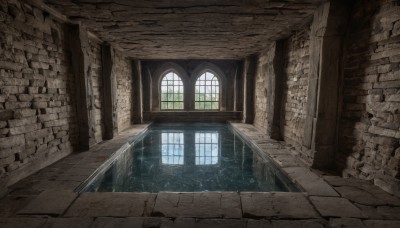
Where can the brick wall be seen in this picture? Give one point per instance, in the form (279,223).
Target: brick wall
(37,113)
(123,69)
(296,85)
(97,84)
(369,127)
(260,101)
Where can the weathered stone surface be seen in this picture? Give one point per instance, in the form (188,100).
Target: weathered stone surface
(252,223)
(6,114)
(277,205)
(118,222)
(369,124)
(381,223)
(346,222)
(201,205)
(12,141)
(300,224)
(215,223)
(50,203)
(360,196)
(21,222)
(231,30)
(336,207)
(312,183)
(68,223)
(112,204)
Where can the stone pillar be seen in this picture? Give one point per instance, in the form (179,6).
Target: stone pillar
(137,106)
(146,86)
(249,70)
(110,90)
(275,89)
(238,106)
(326,45)
(79,46)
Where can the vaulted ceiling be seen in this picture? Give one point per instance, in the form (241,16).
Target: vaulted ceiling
(188,29)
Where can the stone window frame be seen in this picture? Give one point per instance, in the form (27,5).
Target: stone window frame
(189,82)
(200,70)
(173,86)
(204,72)
(156,93)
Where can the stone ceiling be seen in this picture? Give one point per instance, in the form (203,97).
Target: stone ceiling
(183,29)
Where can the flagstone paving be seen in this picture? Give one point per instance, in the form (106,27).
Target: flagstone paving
(48,198)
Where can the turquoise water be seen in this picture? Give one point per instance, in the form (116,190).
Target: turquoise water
(190,157)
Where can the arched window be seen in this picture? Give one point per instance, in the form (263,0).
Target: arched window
(171,92)
(207,92)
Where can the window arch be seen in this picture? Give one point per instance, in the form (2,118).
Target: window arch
(207,95)
(171,92)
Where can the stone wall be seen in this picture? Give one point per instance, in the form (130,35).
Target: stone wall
(369,128)
(123,71)
(260,101)
(295,86)
(37,113)
(97,84)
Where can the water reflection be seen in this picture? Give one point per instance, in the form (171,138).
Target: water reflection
(190,158)
(207,148)
(172,148)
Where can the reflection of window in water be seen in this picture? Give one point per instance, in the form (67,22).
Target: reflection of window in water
(207,148)
(172,146)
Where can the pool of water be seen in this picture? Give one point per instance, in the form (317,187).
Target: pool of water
(190,157)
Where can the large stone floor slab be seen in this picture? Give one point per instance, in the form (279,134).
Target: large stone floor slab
(68,223)
(22,222)
(346,222)
(277,205)
(50,203)
(104,204)
(311,223)
(198,205)
(336,207)
(311,182)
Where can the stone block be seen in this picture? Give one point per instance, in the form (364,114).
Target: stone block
(112,204)
(118,222)
(277,205)
(50,202)
(54,83)
(6,114)
(22,113)
(336,207)
(200,205)
(47,117)
(22,222)
(24,129)
(37,134)
(12,141)
(346,222)
(358,195)
(68,223)
(310,223)
(312,183)
(381,223)
(39,104)
(25,97)
(21,122)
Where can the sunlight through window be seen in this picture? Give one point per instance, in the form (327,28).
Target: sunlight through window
(207,92)
(171,92)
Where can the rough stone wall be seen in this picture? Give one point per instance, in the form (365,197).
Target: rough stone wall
(260,101)
(295,86)
(37,113)
(123,68)
(369,127)
(97,84)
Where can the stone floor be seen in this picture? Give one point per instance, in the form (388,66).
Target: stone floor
(48,199)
